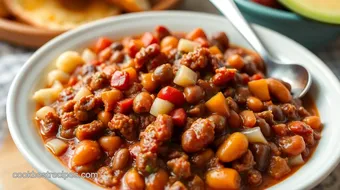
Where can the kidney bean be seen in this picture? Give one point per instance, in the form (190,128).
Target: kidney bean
(264,126)
(110,143)
(234,120)
(120,159)
(219,121)
(254,104)
(279,91)
(293,145)
(85,152)
(193,94)
(248,118)
(261,154)
(163,73)
(142,102)
(277,112)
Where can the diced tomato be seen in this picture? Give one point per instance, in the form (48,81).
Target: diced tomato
(101,44)
(172,95)
(120,80)
(149,39)
(178,117)
(109,70)
(161,32)
(124,106)
(257,76)
(133,47)
(223,75)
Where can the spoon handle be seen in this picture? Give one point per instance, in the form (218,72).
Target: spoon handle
(229,9)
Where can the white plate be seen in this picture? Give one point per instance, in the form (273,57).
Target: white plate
(21,108)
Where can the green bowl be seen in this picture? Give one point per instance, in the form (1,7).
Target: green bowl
(311,34)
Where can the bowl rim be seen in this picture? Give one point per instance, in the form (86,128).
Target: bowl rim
(18,82)
(268,11)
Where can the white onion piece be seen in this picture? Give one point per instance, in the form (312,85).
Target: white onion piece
(82,93)
(296,160)
(255,135)
(185,77)
(42,112)
(57,146)
(88,56)
(187,45)
(161,106)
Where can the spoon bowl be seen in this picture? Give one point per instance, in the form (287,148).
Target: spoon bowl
(296,75)
(291,73)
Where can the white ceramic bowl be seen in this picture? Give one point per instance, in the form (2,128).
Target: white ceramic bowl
(21,108)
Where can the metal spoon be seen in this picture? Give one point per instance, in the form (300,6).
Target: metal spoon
(296,75)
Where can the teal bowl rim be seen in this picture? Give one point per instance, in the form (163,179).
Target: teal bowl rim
(268,11)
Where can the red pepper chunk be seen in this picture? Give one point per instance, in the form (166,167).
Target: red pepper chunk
(148,39)
(124,106)
(120,80)
(172,95)
(101,44)
(178,117)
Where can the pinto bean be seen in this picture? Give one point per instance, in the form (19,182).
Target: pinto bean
(279,90)
(120,159)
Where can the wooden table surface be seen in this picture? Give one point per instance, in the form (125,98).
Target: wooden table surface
(11,160)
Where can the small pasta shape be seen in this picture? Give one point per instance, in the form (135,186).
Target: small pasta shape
(46,96)
(42,112)
(82,93)
(68,61)
(88,56)
(57,75)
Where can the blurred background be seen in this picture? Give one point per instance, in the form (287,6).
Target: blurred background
(25,25)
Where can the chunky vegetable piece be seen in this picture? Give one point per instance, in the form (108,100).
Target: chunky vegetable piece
(172,95)
(233,147)
(161,106)
(218,104)
(260,89)
(185,77)
(165,110)
(187,45)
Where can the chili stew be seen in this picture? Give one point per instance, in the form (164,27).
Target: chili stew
(174,111)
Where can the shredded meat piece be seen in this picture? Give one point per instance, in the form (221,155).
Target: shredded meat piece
(196,60)
(151,56)
(278,167)
(124,125)
(180,166)
(89,130)
(289,110)
(68,120)
(50,124)
(83,108)
(246,162)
